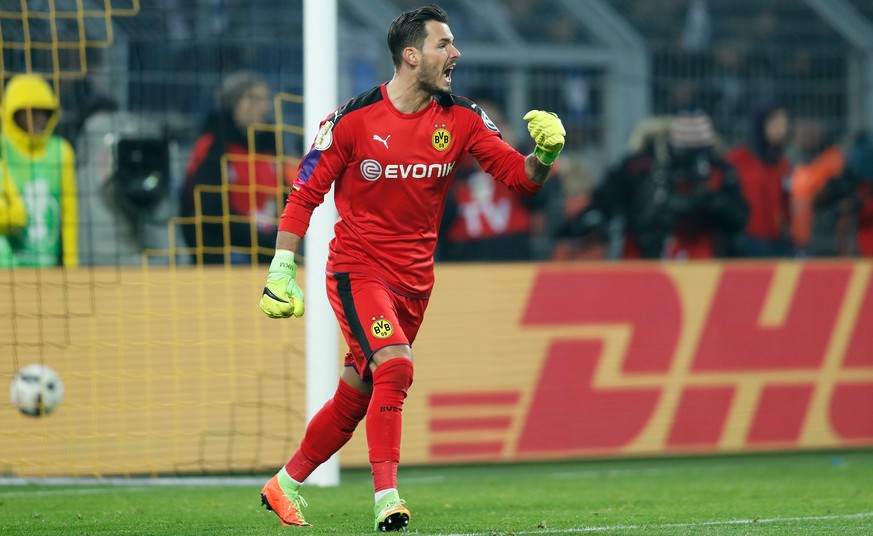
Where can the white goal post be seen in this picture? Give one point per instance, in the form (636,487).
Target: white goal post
(320,97)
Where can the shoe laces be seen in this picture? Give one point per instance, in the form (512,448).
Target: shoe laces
(393,503)
(299,501)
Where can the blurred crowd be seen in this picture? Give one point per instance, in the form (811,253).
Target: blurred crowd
(792,188)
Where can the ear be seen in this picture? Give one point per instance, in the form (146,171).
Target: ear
(412,56)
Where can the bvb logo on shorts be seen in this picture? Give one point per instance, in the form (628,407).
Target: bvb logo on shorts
(441,139)
(382,329)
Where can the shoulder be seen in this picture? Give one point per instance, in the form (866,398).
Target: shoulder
(334,123)
(356,104)
(467,106)
(67,151)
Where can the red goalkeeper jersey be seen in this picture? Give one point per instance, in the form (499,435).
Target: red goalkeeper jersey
(392,172)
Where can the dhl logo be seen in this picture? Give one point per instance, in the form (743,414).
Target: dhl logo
(651,359)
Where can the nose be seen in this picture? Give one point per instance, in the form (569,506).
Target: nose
(455,53)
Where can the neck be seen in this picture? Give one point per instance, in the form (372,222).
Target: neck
(405,95)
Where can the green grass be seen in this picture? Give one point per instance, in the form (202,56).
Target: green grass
(790,494)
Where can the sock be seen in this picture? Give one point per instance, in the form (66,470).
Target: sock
(384,492)
(286,482)
(390,383)
(328,431)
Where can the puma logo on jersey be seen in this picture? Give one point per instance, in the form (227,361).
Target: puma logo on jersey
(378,138)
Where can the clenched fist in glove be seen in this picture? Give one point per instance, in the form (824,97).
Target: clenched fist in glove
(548,133)
(282,296)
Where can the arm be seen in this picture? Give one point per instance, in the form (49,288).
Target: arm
(288,241)
(536,170)
(13,213)
(69,208)
(727,207)
(505,164)
(324,162)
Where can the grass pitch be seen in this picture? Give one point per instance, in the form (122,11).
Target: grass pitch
(784,494)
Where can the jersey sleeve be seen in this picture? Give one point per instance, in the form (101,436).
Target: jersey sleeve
(498,158)
(319,168)
(13,214)
(69,208)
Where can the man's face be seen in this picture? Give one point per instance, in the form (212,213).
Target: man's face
(32,121)
(439,56)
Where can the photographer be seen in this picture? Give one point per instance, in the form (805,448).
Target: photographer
(675,194)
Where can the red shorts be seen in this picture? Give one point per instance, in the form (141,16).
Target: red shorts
(372,316)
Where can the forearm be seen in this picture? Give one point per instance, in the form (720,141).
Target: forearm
(536,170)
(287,240)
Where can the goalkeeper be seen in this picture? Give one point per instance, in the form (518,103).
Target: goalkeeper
(391,154)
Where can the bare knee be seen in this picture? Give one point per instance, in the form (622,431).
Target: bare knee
(351,377)
(390,352)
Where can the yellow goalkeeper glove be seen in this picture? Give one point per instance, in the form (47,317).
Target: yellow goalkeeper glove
(548,133)
(282,296)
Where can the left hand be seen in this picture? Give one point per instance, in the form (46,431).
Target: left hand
(282,297)
(548,133)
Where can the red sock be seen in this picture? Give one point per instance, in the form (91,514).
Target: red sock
(328,430)
(390,382)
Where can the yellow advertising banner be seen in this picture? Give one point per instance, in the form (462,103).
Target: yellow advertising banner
(177,370)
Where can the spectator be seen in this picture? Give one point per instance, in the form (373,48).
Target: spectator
(42,167)
(860,168)
(843,207)
(819,204)
(252,178)
(578,180)
(763,170)
(678,198)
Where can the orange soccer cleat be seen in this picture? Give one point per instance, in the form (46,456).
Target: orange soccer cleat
(287,504)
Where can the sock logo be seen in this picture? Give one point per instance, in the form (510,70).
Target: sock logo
(390,408)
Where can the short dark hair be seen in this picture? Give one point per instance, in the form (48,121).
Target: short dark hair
(408,29)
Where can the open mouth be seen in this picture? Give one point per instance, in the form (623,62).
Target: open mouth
(447,74)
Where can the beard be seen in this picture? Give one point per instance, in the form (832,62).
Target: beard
(432,84)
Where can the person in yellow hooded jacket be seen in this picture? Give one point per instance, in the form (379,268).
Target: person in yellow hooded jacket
(42,167)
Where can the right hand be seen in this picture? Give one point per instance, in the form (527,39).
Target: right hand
(548,133)
(282,297)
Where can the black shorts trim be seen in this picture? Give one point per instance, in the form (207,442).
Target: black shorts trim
(344,289)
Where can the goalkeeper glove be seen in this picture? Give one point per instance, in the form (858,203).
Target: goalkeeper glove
(548,133)
(282,296)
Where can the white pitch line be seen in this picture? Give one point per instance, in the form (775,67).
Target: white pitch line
(66,492)
(654,526)
(137,481)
